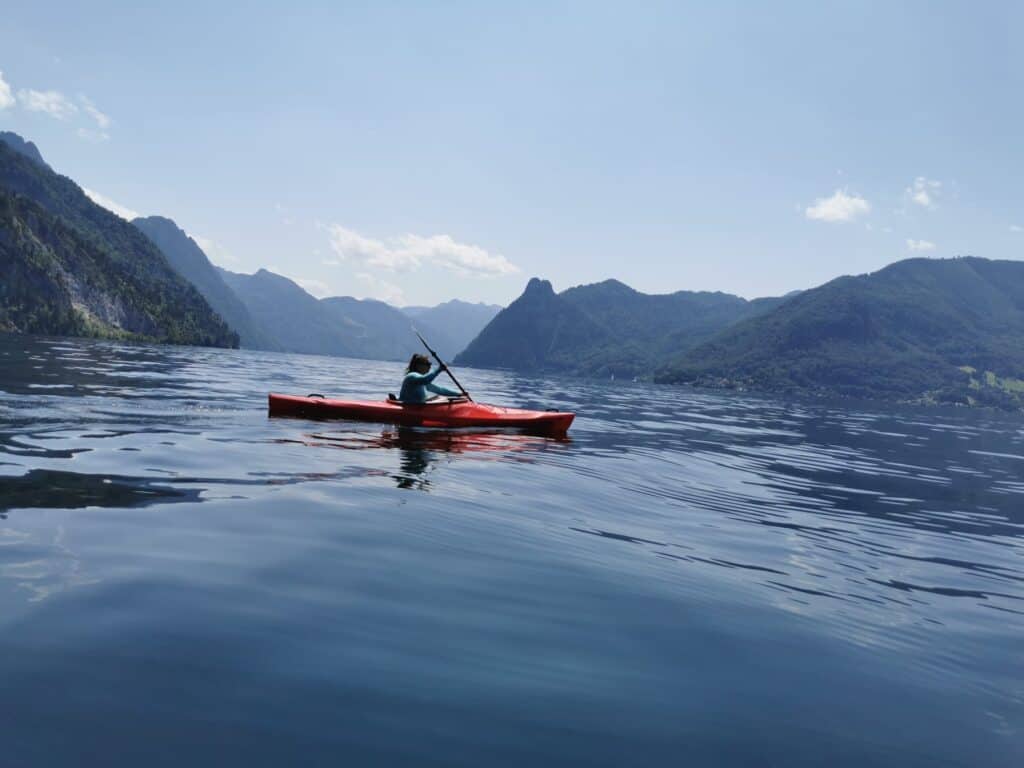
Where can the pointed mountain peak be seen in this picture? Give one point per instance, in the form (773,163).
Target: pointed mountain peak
(538,287)
(618,285)
(23,147)
(158,223)
(162,220)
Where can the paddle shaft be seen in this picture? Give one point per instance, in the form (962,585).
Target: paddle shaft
(442,364)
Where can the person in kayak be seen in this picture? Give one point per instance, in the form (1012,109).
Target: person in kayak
(419,380)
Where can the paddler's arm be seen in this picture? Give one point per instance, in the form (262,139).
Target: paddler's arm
(422,378)
(440,389)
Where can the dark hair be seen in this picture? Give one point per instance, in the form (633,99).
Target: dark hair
(416,361)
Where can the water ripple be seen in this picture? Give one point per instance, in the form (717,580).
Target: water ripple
(427,576)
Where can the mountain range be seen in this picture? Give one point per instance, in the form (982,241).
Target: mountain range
(271,312)
(295,321)
(188,259)
(71,267)
(604,328)
(946,330)
(921,330)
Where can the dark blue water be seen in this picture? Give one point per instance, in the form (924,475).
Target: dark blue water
(693,579)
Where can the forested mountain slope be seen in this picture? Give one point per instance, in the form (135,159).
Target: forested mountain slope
(73,267)
(950,330)
(603,329)
(188,259)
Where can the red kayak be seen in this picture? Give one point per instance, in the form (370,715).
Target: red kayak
(456,412)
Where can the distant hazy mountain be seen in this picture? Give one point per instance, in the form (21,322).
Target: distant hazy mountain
(948,330)
(455,322)
(294,321)
(190,262)
(375,329)
(289,317)
(604,328)
(72,267)
(272,312)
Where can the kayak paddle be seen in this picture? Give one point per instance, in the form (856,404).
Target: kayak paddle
(442,364)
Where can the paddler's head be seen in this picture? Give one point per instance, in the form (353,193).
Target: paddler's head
(419,364)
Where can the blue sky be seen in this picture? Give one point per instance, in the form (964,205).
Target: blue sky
(418,152)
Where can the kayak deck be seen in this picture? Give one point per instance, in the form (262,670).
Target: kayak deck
(457,412)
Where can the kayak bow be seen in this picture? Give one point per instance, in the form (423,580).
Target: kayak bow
(453,413)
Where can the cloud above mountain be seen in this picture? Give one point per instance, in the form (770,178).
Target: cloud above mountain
(923,192)
(53,103)
(839,207)
(102,120)
(409,252)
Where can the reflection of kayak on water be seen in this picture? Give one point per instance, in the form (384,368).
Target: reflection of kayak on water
(442,441)
(420,449)
(451,413)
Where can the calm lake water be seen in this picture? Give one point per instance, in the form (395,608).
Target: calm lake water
(692,579)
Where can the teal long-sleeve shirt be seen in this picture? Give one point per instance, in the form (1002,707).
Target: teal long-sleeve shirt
(416,385)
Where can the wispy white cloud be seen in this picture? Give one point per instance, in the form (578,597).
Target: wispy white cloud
(461,258)
(124,212)
(381,290)
(60,107)
(1016,228)
(102,120)
(411,252)
(53,103)
(350,245)
(840,206)
(923,192)
(920,245)
(6,96)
